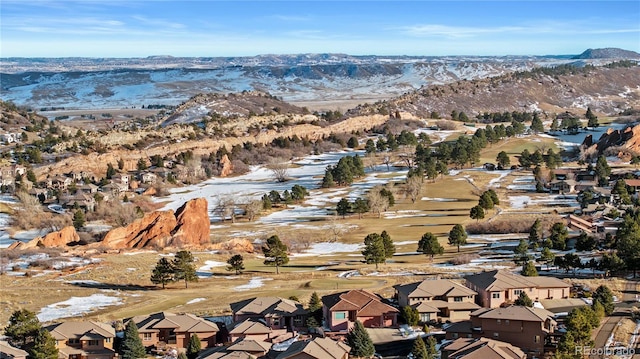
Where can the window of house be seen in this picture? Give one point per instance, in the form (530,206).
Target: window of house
(536,339)
(297,321)
(495,295)
(498,321)
(339,315)
(146,336)
(425,317)
(107,340)
(454,335)
(457,299)
(506,321)
(517,291)
(496,334)
(93,343)
(276,322)
(74,341)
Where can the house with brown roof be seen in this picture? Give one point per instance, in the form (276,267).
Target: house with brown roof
(7,351)
(84,340)
(530,329)
(500,286)
(251,329)
(341,310)
(481,348)
(438,299)
(318,348)
(166,329)
(277,313)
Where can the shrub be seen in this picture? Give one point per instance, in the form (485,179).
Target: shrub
(463,259)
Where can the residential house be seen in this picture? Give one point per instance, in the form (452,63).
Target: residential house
(318,348)
(7,351)
(223,353)
(84,340)
(438,299)
(166,329)
(530,329)
(481,348)
(89,189)
(254,347)
(341,310)
(251,329)
(633,183)
(79,200)
(59,182)
(500,286)
(148,177)
(277,313)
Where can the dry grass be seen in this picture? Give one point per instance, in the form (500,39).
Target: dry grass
(406,221)
(624,330)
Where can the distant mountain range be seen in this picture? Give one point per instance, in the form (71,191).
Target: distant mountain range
(117,83)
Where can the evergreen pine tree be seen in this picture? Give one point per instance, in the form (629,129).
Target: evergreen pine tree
(193,347)
(419,349)
(529,270)
(374,251)
(360,341)
(236,263)
(429,245)
(78,219)
(162,273)
(44,346)
(315,311)
(431,343)
(275,253)
(389,247)
(132,347)
(457,236)
(524,300)
(183,267)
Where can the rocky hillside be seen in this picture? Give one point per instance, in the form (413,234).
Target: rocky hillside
(607,90)
(623,143)
(608,53)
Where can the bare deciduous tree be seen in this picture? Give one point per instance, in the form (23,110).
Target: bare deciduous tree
(252,208)
(280,169)
(377,202)
(412,188)
(226,208)
(335,228)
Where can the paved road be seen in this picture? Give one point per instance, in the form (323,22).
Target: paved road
(623,310)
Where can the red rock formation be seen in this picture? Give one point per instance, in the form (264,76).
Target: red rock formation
(225,166)
(154,229)
(193,225)
(188,227)
(626,139)
(59,238)
(235,245)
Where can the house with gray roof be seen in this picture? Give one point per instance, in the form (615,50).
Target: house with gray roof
(481,348)
(83,340)
(318,348)
(277,313)
(530,329)
(7,351)
(438,299)
(497,287)
(165,329)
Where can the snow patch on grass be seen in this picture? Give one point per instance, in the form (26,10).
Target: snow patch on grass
(77,306)
(255,282)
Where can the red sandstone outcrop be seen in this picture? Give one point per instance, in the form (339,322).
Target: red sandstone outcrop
(154,229)
(234,245)
(59,238)
(628,140)
(225,166)
(193,226)
(188,227)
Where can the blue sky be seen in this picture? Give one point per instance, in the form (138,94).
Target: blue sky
(130,28)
